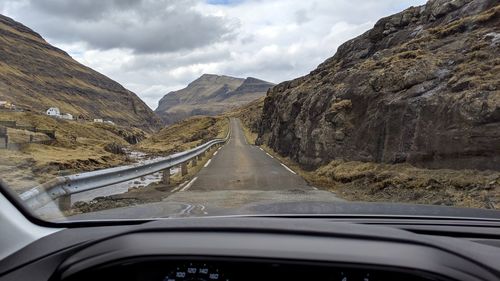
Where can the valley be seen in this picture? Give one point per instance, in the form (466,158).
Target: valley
(408,113)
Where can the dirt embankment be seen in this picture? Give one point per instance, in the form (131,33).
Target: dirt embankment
(403,183)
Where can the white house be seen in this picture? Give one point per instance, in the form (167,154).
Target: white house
(7,105)
(54,111)
(98,120)
(109,122)
(67,116)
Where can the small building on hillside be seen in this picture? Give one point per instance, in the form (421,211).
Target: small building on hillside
(109,122)
(67,116)
(7,105)
(54,111)
(98,120)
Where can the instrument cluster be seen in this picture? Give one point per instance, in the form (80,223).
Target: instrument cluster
(218,270)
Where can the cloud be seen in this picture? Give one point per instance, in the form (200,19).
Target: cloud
(153,47)
(301,16)
(146,26)
(81,9)
(224,2)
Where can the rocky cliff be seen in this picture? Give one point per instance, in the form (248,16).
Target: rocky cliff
(422,86)
(35,75)
(210,95)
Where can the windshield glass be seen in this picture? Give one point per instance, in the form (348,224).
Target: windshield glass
(157,109)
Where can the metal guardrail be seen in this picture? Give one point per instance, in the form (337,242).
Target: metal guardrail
(64,186)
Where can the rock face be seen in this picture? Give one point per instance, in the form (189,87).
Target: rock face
(422,86)
(35,76)
(210,95)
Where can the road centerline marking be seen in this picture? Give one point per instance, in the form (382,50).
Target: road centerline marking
(215,153)
(189,184)
(208,162)
(290,170)
(269,155)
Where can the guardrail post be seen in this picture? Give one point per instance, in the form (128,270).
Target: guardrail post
(194,162)
(4,136)
(166,176)
(184,169)
(5,141)
(64,202)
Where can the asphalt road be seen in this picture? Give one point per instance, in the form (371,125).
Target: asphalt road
(239,179)
(241,166)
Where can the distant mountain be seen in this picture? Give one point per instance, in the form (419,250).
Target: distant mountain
(35,75)
(421,87)
(210,95)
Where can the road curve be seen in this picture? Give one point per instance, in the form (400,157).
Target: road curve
(241,166)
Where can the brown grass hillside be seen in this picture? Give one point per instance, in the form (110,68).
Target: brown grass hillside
(78,147)
(185,134)
(35,75)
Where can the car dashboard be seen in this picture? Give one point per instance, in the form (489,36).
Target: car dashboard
(240,249)
(227,269)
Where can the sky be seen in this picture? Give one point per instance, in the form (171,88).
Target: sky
(153,47)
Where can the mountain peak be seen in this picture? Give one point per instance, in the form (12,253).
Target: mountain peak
(209,76)
(210,94)
(253,80)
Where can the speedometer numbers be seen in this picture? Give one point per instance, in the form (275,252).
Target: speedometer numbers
(195,272)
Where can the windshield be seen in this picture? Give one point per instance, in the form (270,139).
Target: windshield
(157,109)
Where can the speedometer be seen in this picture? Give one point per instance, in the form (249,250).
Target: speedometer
(195,272)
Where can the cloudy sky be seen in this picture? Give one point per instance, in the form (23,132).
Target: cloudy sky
(156,46)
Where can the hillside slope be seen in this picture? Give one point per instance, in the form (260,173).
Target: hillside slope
(210,95)
(35,75)
(421,87)
(184,135)
(78,147)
